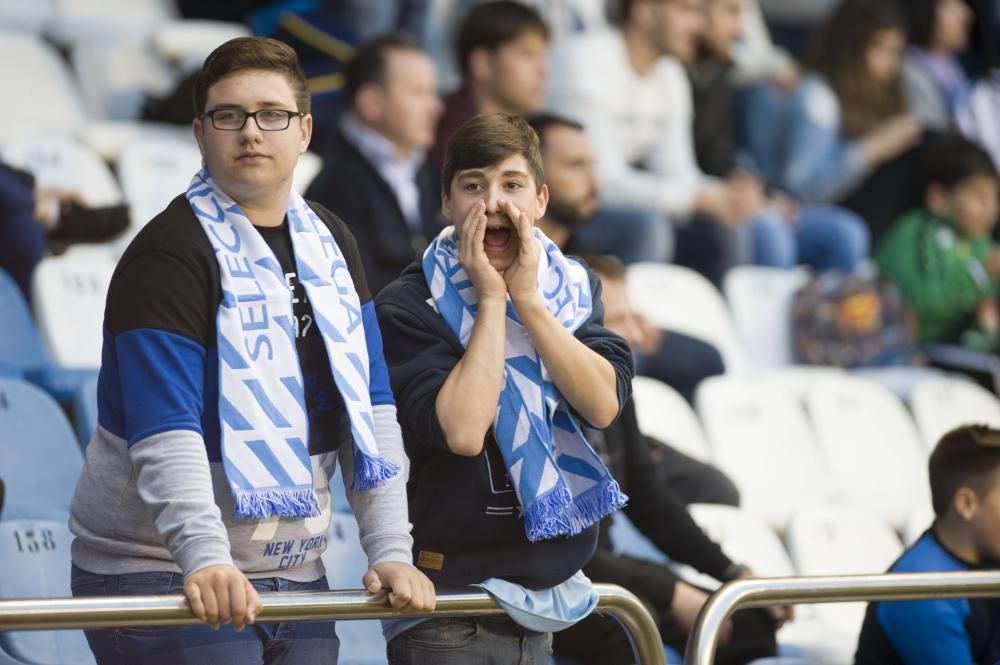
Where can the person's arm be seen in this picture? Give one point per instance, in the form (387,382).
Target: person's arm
(585,378)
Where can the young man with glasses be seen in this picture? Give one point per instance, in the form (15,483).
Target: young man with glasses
(242,360)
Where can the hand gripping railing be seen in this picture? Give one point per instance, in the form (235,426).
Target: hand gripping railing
(110,612)
(765,592)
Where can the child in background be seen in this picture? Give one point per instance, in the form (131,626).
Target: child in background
(942,256)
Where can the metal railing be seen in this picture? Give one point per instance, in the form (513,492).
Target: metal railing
(120,611)
(766,592)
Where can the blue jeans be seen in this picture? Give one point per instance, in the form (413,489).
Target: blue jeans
(313,642)
(823,239)
(489,640)
(630,234)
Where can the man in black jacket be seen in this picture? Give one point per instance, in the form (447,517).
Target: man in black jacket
(374,174)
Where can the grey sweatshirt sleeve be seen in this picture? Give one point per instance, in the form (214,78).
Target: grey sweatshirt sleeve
(175,484)
(382,513)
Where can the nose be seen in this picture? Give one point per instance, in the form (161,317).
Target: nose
(251,131)
(492,197)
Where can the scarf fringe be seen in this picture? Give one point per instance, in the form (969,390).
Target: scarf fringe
(371,471)
(299,502)
(559,514)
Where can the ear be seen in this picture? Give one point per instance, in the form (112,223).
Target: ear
(542,200)
(446,206)
(198,126)
(480,64)
(306,131)
(965,503)
(936,198)
(369,102)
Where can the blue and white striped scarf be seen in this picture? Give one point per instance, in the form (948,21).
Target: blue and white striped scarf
(561,483)
(262,407)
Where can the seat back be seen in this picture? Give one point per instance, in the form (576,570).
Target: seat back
(871,445)
(153,170)
(839,541)
(85,20)
(60,162)
(761,302)
(361,642)
(744,537)
(666,416)
(85,410)
(760,436)
(942,404)
(41,459)
(677,298)
(70,292)
(116,75)
(20,344)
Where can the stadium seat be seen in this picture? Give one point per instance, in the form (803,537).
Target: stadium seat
(17,15)
(78,20)
(40,95)
(919,521)
(306,171)
(41,459)
(85,410)
(838,541)
(761,302)
(361,642)
(744,537)
(940,405)
(70,291)
(664,415)
(676,298)
(22,353)
(116,75)
(188,41)
(872,446)
(761,438)
(64,163)
(35,559)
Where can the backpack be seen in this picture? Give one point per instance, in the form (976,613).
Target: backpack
(852,320)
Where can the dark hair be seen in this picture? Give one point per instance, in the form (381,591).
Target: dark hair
(838,52)
(543,121)
(488,139)
(368,64)
(492,24)
(948,159)
(968,456)
(251,53)
(605,265)
(618,11)
(921,17)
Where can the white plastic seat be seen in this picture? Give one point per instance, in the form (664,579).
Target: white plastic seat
(744,537)
(116,75)
(761,302)
(679,299)
(306,170)
(27,16)
(761,438)
(39,94)
(80,20)
(361,642)
(188,41)
(153,171)
(873,449)
(838,541)
(940,405)
(63,163)
(919,521)
(664,415)
(69,292)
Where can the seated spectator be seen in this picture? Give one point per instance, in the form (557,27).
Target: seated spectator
(375,176)
(501,48)
(628,88)
(673,358)
(756,56)
(936,83)
(782,234)
(965,491)
(845,135)
(942,256)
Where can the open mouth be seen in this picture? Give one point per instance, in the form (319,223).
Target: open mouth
(498,238)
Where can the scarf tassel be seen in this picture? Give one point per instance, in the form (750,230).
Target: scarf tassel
(559,514)
(258,504)
(371,471)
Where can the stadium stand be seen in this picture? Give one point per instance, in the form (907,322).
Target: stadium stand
(116,75)
(761,302)
(106,20)
(85,410)
(761,438)
(940,405)
(664,415)
(63,163)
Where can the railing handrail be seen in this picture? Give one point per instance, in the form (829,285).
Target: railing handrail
(120,611)
(766,592)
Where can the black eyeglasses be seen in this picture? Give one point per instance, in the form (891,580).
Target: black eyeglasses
(268,120)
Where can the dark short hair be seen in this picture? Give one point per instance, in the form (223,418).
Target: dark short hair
(968,456)
(949,159)
(368,64)
(605,265)
(244,53)
(618,11)
(488,139)
(543,121)
(921,16)
(490,25)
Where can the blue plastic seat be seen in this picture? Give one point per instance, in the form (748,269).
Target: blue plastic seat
(85,410)
(40,458)
(34,557)
(22,353)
